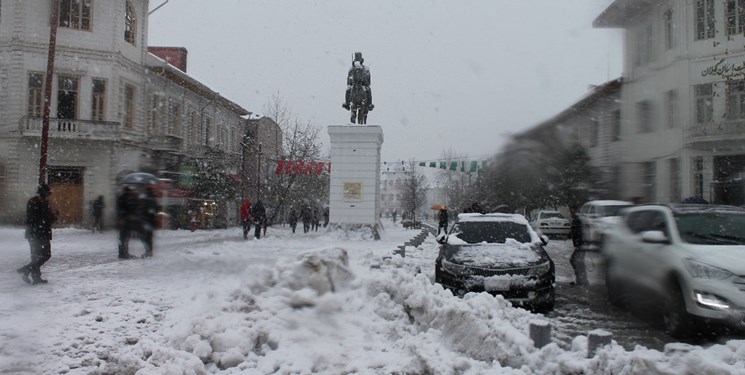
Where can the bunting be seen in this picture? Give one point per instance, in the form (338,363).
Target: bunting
(302,167)
(463,166)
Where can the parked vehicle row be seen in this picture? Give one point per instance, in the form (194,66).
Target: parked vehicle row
(551,223)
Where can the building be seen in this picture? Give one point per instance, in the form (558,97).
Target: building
(683,98)
(116,107)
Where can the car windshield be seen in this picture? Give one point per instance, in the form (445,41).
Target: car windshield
(712,228)
(552,215)
(613,210)
(491,231)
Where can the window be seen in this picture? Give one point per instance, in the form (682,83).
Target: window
(698,176)
(704,95)
(671,104)
(67,97)
(649,170)
(594,132)
(157,114)
(129,106)
(674,180)
(193,131)
(75,14)
(736,99)
(35,94)
(98,100)
(705,19)
(207,130)
(615,125)
(130,23)
(735,17)
(174,118)
(644,116)
(669,29)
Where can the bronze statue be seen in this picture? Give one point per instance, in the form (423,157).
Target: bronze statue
(358,97)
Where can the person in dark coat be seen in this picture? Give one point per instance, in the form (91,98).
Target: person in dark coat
(97,211)
(442,223)
(246,217)
(578,255)
(325,217)
(259,214)
(127,219)
(293,219)
(39,220)
(307,216)
(149,216)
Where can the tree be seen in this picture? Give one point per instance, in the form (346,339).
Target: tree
(300,142)
(212,178)
(575,175)
(413,190)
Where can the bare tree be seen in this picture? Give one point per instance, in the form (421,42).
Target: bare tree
(413,190)
(301,142)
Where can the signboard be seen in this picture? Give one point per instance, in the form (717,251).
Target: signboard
(352,192)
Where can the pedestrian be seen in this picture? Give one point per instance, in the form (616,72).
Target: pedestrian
(293,219)
(39,220)
(442,224)
(315,221)
(325,217)
(306,216)
(259,215)
(97,211)
(393,215)
(577,259)
(149,216)
(246,217)
(127,219)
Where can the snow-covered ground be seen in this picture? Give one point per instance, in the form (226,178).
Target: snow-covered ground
(323,302)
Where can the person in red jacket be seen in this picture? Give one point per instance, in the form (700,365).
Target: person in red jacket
(246,217)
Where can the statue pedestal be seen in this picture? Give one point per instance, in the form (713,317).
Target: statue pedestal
(355,176)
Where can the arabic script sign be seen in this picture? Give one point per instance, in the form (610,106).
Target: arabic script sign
(725,70)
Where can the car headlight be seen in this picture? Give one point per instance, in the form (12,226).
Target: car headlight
(706,271)
(539,269)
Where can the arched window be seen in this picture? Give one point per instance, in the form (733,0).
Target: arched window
(130,23)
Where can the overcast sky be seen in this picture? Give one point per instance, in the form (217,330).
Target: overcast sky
(458,75)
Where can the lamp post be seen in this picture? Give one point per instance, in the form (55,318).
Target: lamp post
(43,149)
(258,173)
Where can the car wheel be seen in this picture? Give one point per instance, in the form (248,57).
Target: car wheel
(613,288)
(675,318)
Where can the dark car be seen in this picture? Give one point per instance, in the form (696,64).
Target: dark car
(499,254)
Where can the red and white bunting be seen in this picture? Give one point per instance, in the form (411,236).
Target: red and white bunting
(302,167)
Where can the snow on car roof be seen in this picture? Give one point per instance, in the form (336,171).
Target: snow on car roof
(609,203)
(515,218)
(691,208)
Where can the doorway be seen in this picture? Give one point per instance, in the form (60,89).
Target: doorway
(67,194)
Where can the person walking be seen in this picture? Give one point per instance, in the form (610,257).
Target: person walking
(149,216)
(577,259)
(127,219)
(293,219)
(97,211)
(306,217)
(39,220)
(246,217)
(259,214)
(442,226)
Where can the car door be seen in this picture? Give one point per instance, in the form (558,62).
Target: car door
(649,261)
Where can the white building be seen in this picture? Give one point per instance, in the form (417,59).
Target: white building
(683,97)
(115,107)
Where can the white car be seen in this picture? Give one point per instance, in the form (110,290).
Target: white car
(688,259)
(551,223)
(598,216)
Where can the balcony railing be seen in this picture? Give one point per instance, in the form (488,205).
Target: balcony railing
(67,128)
(723,130)
(166,143)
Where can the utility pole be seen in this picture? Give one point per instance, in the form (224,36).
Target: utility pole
(258,173)
(48,92)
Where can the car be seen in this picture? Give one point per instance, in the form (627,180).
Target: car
(691,258)
(551,223)
(597,216)
(497,253)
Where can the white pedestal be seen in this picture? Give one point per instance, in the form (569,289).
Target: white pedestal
(355,175)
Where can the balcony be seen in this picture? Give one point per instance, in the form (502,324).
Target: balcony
(724,131)
(71,129)
(166,143)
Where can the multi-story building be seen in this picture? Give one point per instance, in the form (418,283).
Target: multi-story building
(115,106)
(683,97)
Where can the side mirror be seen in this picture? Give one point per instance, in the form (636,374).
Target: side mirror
(655,236)
(544,239)
(442,238)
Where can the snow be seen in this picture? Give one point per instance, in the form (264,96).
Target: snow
(511,252)
(323,302)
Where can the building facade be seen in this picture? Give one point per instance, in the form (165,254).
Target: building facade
(115,107)
(683,98)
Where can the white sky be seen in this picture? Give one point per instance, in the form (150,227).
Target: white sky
(211,302)
(445,74)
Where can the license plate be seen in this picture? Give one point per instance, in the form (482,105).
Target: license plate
(497,284)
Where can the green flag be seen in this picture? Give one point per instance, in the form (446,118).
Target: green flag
(474,166)
(443,165)
(453,165)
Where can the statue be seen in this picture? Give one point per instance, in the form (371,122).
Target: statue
(358,98)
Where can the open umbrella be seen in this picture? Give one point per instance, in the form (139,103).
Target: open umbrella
(438,206)
(140,178)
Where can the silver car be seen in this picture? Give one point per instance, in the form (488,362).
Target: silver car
(690,257)
(598,216)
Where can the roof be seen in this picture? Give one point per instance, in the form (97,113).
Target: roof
(622,13)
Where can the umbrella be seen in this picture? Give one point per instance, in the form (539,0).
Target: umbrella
(140,178)
(438,206)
